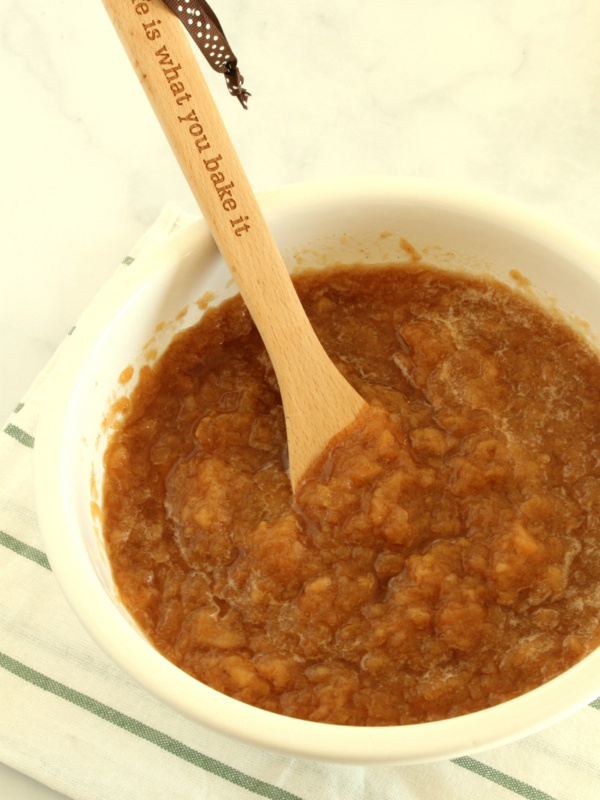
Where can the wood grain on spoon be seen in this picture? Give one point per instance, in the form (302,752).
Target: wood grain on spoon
(318,402)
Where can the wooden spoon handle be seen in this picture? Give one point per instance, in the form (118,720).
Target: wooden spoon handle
(160,51)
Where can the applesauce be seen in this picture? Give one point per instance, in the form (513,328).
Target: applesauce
(440,558)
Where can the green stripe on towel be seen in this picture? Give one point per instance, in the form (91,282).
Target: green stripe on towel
(25,550)
(143,731)
(502,779)
(21,436)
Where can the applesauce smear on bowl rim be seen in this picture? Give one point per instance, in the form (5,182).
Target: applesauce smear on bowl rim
(439,559)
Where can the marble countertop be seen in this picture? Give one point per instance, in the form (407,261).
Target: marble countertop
(500,96)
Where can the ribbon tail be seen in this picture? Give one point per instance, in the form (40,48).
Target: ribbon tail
(205,30)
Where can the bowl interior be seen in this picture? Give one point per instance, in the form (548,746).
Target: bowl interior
(131,323)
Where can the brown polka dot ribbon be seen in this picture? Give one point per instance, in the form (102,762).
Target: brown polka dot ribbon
(205,29)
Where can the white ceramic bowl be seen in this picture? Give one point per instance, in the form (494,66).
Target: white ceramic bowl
(313,224)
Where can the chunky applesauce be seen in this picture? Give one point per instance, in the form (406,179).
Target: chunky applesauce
(439,559)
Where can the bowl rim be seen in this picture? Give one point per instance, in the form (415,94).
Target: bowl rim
(431,741)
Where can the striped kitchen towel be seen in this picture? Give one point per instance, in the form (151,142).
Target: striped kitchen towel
(72,720)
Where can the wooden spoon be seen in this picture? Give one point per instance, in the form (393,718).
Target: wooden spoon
(318,402)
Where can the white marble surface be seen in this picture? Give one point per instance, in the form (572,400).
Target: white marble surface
(502,96)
